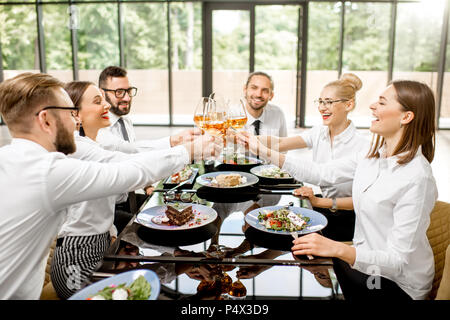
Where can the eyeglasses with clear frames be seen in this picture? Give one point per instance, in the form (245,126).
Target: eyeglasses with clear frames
(327,103)
(120,93)
(73,110)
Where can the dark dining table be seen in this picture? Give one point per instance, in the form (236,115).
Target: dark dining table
(226,259)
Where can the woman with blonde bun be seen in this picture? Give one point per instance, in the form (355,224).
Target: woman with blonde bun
(335,138)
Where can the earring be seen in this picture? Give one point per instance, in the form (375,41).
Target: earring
(81,130)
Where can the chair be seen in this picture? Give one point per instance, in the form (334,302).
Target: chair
(48,292)
(444,287)
(438,234)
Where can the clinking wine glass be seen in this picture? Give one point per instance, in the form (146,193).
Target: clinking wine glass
(216,117)
(200,111)
(237,118)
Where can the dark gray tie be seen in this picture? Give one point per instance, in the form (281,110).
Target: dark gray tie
(256,124)
(123,129)
(131,195)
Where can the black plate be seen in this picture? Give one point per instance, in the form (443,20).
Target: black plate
(245,167)
(228,195)
(178,238)
(270,181)
(268,240)
(168,184)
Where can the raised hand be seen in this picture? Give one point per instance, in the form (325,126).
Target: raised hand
(185,136)
(204,147)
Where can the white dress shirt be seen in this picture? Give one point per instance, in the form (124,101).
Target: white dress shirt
(37,186)
(392,204)
(273,122)
(107,137)
(346,143)
(95,216)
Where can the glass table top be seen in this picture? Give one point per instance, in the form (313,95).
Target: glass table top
(225,258)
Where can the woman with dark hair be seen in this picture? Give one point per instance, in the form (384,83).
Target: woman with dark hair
(86,233)
(88,229)
(394,192)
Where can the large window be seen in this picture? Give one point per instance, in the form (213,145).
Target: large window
(19,41)
(186,59)
(444,120)
(276,41)
(146,59)
(323,53)
(58,48)
(417,47)
(366,53)
(176,51)
(230,51)
(97,39)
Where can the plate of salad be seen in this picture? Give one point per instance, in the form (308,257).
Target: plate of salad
(131,285)
(270,171)
(271,174)
(284,220)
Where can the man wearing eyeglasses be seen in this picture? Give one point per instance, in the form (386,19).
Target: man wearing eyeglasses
(114,81)
(38,182)
(119,93)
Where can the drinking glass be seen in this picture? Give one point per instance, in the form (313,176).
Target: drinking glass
(200,111)
(216,117)
(237,118)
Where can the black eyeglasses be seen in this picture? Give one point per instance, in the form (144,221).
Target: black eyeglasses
(120,93)
(73,110)
(328,103)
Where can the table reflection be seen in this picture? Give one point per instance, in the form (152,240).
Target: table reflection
(235,262)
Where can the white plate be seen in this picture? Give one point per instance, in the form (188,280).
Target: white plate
(205,179)
(317,220)
(257,171)
(202,216)
(125,277)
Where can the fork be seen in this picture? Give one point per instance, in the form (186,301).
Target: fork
(295,236)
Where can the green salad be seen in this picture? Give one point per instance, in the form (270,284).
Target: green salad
(273,172)
(140,289)
(283,220)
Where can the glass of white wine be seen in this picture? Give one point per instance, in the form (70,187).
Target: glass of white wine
(200,112)
(216,117)
(237,118)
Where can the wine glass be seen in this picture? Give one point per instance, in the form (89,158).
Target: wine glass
(216,118)
(237,118)
(237,115)
(200,111)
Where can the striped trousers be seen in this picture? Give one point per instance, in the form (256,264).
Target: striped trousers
(74,260)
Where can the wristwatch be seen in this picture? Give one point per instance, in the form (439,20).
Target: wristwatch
(334,205)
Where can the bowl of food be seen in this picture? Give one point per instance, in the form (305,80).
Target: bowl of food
(238,162)
(188,174)
(227,179)
(281,220)
(132,285)
(271,174)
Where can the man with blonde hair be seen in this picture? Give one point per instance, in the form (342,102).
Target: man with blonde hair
(41,119)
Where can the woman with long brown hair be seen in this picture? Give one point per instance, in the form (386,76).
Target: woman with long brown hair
(393,193)
(335,138)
